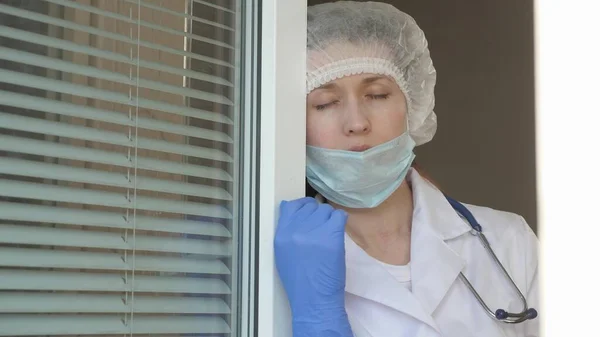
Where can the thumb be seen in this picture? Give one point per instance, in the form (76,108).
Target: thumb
(338,219)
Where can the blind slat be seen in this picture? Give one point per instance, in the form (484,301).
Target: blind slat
(75,110)
(64,259)
(94,72)
(18,189)
(89,282)
(36,169)
(142,23)
(79,303)
(48,127)
(64,151)
(82,217)
(221,8)
(61,237)
(44,325)
(53,42)
(91,30)
(43,83)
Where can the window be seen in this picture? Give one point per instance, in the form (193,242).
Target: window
(127,167)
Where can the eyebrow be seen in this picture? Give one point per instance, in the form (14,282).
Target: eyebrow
(372,79)
(327,86)
(365,81)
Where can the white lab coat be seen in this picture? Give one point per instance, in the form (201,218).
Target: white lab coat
(440,304)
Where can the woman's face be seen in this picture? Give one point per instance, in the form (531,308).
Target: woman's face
(355,113)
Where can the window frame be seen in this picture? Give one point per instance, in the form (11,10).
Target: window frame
(281,141)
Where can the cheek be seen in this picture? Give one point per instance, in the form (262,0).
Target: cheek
(321,132)
(391,122)
(398,120)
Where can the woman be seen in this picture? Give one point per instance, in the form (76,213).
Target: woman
(380,251)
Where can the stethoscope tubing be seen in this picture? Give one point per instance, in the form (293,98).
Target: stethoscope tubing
(500,314)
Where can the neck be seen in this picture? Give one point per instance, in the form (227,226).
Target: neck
(384,231)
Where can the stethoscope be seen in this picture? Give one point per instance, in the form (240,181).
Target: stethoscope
(500,314)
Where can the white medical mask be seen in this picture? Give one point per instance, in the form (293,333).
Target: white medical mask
(360,179)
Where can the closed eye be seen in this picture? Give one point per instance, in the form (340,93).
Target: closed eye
(381,96)
(325,106)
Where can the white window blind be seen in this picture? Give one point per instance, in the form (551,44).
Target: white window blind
(120,162)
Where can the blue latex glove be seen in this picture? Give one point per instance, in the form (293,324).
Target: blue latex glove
(310,259)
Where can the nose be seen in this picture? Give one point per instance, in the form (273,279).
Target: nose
(357,121)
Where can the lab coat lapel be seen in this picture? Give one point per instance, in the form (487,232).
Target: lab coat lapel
(434,265)
(368,279)
(434,268)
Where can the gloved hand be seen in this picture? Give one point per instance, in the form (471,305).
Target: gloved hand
(310,259)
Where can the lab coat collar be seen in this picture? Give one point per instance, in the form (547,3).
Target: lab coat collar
(433,210)
(434,266)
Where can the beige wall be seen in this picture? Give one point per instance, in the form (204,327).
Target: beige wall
(484,151)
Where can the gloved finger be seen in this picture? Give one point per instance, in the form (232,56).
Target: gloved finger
(320,216)
(336,224)
(305,211)
(288,211)
(287,208)
(293,219)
